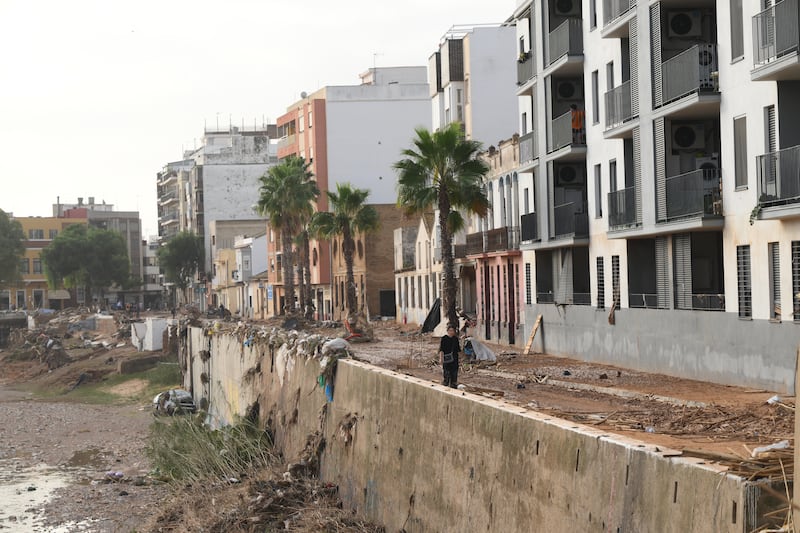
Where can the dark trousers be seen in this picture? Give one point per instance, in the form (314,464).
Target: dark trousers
(450,374)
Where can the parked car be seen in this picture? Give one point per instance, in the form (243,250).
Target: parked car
(173,402)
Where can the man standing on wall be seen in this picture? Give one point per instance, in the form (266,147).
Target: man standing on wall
(448,357)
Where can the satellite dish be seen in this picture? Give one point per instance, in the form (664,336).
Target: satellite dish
(303,94)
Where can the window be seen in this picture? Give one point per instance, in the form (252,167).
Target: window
(609,75)
(774,253)
(595,98)
(796,280)
(740,152)
(36,234)
(737,30)
(53,234)
(309,119)
(598,192)
(743,278)
(528,299)
(615,280)
(524,123)
(593,14)
(526,200)
(612,175)
(24,266)
(522,46)
(601,285)
(37,266)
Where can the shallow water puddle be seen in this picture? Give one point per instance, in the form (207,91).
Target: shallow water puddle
(23,493)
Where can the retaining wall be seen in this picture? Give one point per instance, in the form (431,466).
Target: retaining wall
(416,456)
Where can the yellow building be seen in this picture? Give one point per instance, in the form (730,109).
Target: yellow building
(32,291)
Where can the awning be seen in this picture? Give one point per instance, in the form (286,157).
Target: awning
(59,294)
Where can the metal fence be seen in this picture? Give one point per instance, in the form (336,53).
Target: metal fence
(642,301)
(622,208)
(561,131)
(689,71)
(775,32)
(527,148)
(530,230)
(708,302)
(495,240)
(618,105)
(565,39)
(778,175)
(568,221)
(545,297)
(694,193)
(613,9)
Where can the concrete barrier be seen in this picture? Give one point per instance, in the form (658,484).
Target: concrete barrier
(131,366)
(415,456)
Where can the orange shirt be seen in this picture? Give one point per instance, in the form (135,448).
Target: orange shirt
(578,117)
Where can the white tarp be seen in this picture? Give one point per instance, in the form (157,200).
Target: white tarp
(482,352)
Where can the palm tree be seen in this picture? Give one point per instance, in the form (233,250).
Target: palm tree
(287,196)
(443,172)
(350,216)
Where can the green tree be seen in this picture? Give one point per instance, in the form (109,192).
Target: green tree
(287,196)
(442,171)
(349,217)
(12,249)
(88,257)
(180,258)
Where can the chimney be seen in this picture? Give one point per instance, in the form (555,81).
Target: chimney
(91,200)
(80,200)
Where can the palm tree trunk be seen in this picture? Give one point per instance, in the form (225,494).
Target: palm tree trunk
(348,247)
(301,278)
(288,272)
(449,288)
(309,301)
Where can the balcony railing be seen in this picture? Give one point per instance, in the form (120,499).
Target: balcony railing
(775,32)
(618,105)
(695,193)
(778,175)
(708,302)
(530,230)
(459,251)
(622,208)
(168,197)
(495,240)
(642,301)
(527,148)
(567,39)
(614,9)
(525,69)
(569,221)
(689,72)
(545,297)
(287,141)
(561,132)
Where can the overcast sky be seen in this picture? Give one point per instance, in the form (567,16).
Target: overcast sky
(97,95)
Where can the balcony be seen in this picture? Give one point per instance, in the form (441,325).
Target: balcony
(495,240)
(615,23)
(168,217)
(775,43)
(527,149)
(524,68)
(778,177)
(618,105)
(561,132)
(689,72)
(530,229)
(569,221)
(622,208)
(168,198)
(643,301)
(694,194)
(565,40)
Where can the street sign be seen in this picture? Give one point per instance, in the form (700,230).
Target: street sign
(269,292)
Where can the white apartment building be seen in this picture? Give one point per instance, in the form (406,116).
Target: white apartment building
(664,237)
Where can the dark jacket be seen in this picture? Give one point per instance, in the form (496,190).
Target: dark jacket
(449,344)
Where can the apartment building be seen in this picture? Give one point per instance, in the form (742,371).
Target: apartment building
(657,143)
(153,295)
(352,133)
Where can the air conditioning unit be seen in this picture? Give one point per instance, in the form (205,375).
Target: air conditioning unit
(688,137)
(569,90)
(568,8)
(570,174)
(682,24)
(707,61)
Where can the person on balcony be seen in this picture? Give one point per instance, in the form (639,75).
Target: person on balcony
(578,125)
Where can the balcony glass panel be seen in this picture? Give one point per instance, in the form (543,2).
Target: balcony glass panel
(569,221)
(775,32)
(561,132)
(779,177)
(618,105)
(613,9)
(622,208)
(689,72)
(530,231)
(527,148)
(695,193)
(643,301)
(525,69)
(567,39)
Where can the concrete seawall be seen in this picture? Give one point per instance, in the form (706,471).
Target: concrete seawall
(415,456)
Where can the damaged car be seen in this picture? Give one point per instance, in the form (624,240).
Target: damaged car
(173,402)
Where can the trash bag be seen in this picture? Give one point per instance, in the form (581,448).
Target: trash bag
(434,317)
(482,352)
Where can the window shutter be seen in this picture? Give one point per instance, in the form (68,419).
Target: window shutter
(682,245)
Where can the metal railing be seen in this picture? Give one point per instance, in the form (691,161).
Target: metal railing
(287,140)
(778,175)
(530,230)
(775,32)
(581,298)
(459,251)
(618,105)
(694,193)
(708,302)
(566,39)
(525,69)
(495,240)
(545,297)
(561,131)
(168,217)
(622,208)
(527,148)
(614,9)
(568,221)
(168,197)
(689,71)
(642,301)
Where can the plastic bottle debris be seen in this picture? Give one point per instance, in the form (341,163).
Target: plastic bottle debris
(775,399)
(650,429)
(761,450)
